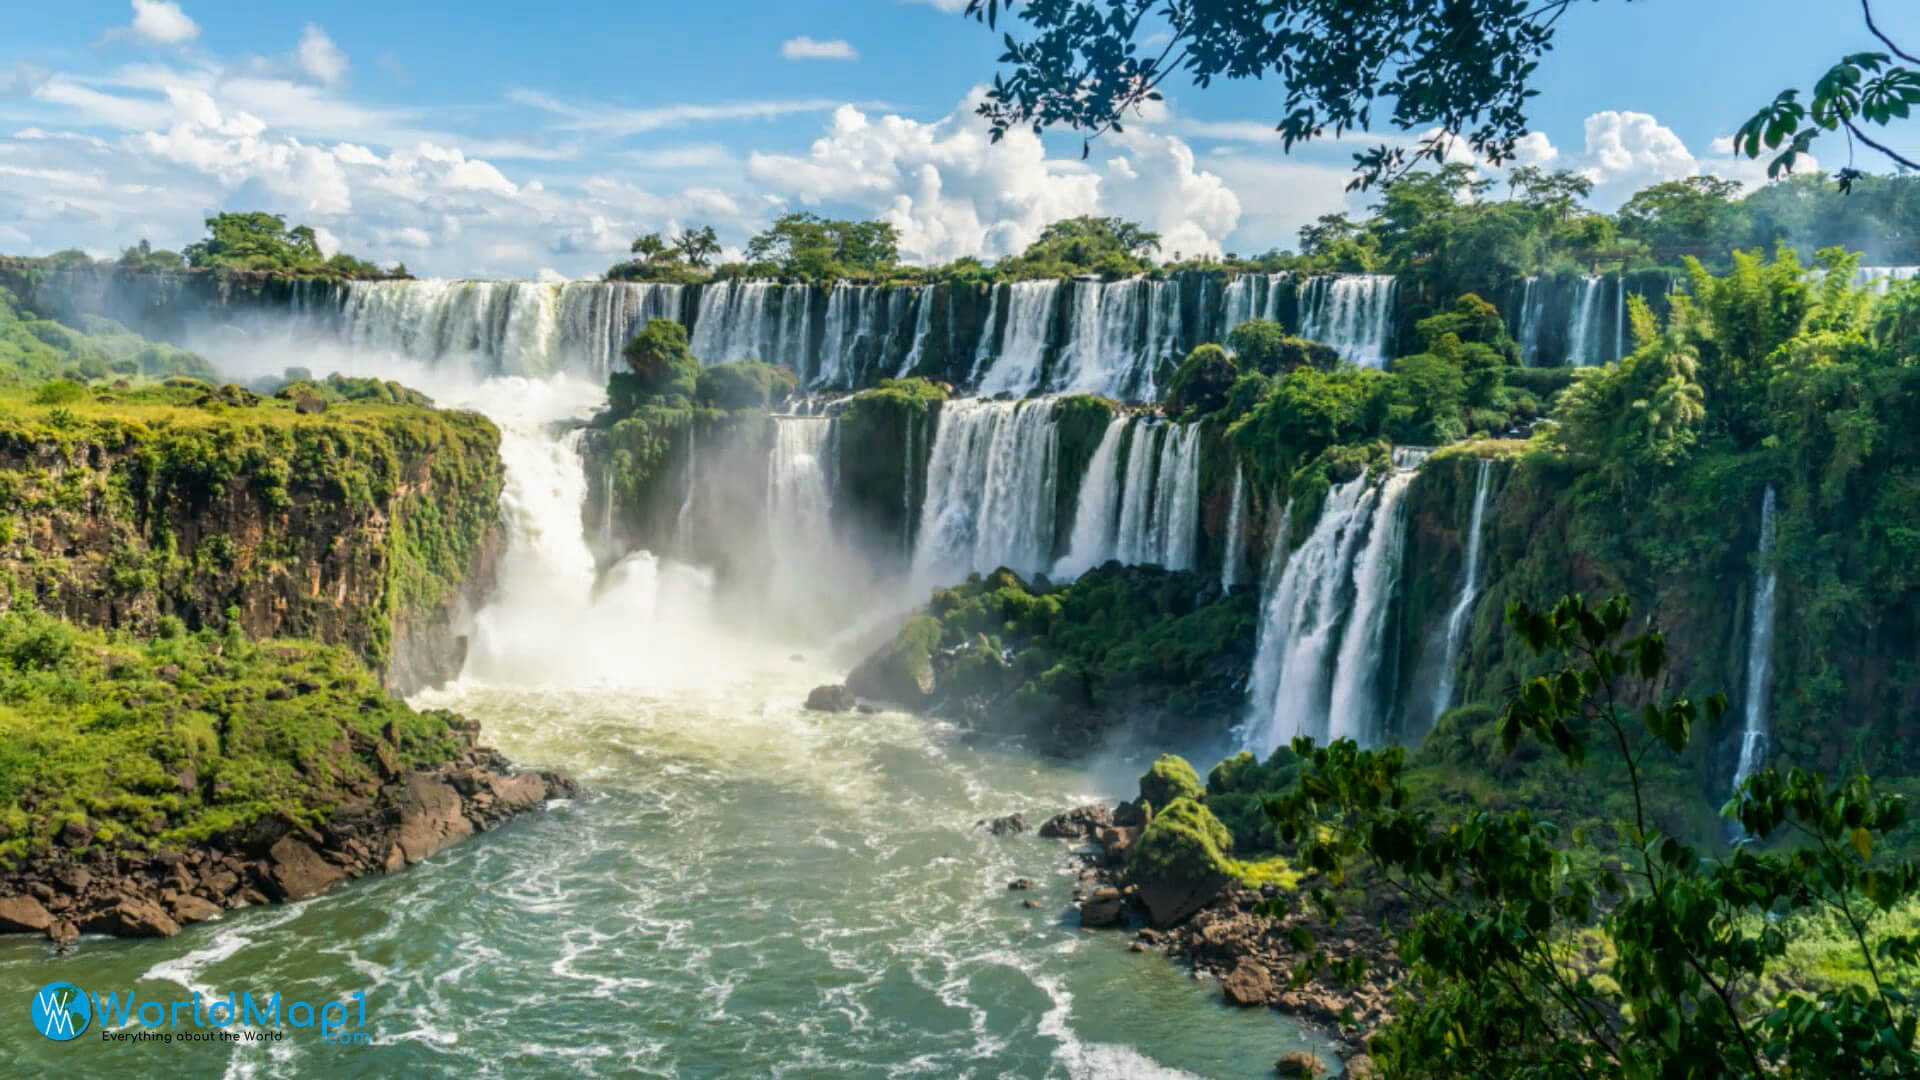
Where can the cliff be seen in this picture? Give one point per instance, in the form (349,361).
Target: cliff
(371,524)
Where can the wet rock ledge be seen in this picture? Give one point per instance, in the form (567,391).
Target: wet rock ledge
(382,826)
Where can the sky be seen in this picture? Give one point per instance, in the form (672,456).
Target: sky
(490,139)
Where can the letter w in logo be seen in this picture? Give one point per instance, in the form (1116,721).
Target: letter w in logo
(53,1006)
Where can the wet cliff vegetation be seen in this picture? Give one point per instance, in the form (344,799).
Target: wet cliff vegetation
(206,595)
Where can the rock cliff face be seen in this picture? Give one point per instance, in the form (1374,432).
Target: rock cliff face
(372,526)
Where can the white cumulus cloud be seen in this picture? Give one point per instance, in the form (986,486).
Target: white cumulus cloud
(806,48)
(319,57)
(951,191)
(161,22)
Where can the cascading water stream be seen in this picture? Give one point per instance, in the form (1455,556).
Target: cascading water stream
(1302,615)
(1355,709)
(1093,516)
(1462,609)
(1234,557)
(1176,499)
(1583,339)
(1753,736)
(990,491)
(1133,536)
(1353,313)
(1017,367)
(1322,656)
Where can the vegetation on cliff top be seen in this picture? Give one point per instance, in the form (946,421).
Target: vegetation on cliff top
(143,464)
(122,743)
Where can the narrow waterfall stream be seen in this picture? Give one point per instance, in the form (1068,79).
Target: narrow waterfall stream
(1462,610)
(1766,579)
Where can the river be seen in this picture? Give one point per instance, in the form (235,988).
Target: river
(745,889)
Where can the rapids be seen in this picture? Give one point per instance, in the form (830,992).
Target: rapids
(746,888)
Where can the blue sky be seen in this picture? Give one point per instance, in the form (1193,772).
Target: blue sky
(494,139)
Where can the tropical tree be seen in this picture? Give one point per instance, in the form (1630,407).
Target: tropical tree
(1616,951)
(1453,71)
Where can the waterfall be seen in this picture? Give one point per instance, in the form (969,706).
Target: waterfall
(1302,614)
(1277,552)
(1583,339)
(501,327)
(1176,499)
(1352,312)
(1322,657)
(1355,710)
(683,521)
(1093,516)
(1463,604)
(906,486)
(1533,316)
(1753,739)
(990,490)
(1133,539)
(1621,345)
(1023,346)
(799,493)
(983,355)
(923,322)
(1881,278)
(1234,555)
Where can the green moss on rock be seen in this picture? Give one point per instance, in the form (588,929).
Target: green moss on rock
(1170,778)
(115,742)
(1181,860)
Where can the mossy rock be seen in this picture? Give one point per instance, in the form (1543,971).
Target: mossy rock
(1171,778)
(902,672)
(1181,860)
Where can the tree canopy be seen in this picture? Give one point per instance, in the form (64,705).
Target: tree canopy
(1460,70)
(257,240)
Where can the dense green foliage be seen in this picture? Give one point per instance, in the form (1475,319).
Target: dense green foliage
(682,259)
(34,349)
(1534,950)
(146,744)
(744,384)
(1067,663)
(262,241)
(661,368)
(1110,247)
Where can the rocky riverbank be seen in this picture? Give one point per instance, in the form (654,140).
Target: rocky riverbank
(391,821)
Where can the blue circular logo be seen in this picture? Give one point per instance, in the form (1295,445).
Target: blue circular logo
(61,1011)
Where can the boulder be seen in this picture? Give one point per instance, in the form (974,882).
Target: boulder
(1248,985)
(1103,908)
(22,915)
(521,791)
(191,909)
(296,871)
(1077,823)
(1010,825)
(1020,883)
(1300,1063)
(832,699)
(1117,841)
(901,671)
(431,818)
(1361,1067)
(1169,778)
(132,916)
(1180,862)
